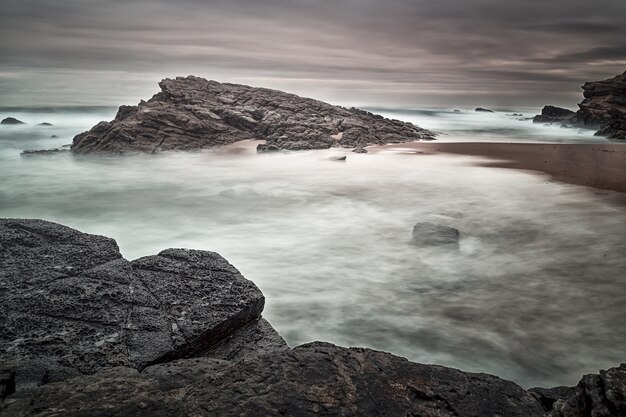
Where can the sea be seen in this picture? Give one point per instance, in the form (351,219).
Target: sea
(535,294)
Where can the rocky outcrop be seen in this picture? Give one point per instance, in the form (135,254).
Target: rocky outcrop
(45,124)
(192,113)
(432,234)
(553,114)
(483,110)
(88,333)
(72,305)
(11,121)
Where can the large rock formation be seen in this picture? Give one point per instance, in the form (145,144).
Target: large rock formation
(11,121)
(72,305)
(604,107)
(179,334)
(192,113)
(553,114)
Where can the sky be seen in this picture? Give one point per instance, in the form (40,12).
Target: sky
(393,53)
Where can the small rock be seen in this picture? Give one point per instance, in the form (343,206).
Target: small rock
(11,121)
(432,234)
(480,109)
(45,124)
(359,149)
(338,158)
(53,137)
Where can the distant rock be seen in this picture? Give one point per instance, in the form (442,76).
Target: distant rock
(72,305)
(52,151)
(480,109)
(604,107)
(457,111)
(360,149)
(433,234)
(11,121)
(338,158)
(53,137)
(191,113)
(45,124)
(553,114)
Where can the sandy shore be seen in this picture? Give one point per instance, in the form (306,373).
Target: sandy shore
(601,166)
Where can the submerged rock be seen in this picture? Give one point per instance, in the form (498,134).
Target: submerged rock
(480,109)
(553,114)
(192,113)
(11,121)
(72,305)
(52,151)
(433,234)
(45,124)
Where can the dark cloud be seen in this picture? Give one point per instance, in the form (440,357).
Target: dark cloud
(410,52)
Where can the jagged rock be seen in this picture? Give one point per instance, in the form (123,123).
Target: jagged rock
(480,109)
(553,114)
(11,121)
(602,395)
(70,304)
(182,372)
(604,107)
(432,234)
(314,379)
(192,113)
(45,124)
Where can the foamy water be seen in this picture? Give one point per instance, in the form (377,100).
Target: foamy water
(536,294)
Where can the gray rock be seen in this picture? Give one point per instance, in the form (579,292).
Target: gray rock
(11,121)
(183,372)
(433,234)
(483,110)
(338,158)
(70,304)
(191,113)
(52,151)
(359,149)
(46,124)
(314,379)
(53,136)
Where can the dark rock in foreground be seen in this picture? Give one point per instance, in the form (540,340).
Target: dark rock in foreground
(604,107)
(432,234)
(192,113)
(553,114)
(72,305)
(483,110)
(11,121)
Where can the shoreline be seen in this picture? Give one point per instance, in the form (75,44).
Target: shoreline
(601,166)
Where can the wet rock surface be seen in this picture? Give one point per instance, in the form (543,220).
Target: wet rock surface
(72,305)
(191,113)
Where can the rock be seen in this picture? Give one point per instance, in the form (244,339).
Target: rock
(553,114)
(432,234)
(313,379)
(359,149)
(11,121)
(7,383)
(480,109)
(32,152)
(191,113)
(338,158)
(45,124)
(72,305)
(602,395)
(517,114)
(604,107)
(53,137)
(182,372)
(457,111)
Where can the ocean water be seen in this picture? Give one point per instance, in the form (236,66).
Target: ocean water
(536,294)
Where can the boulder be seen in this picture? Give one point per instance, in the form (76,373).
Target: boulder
(11,121)
(72,305)
(483,110)
(604,107)
(553,114)
(191,113)
(433,234)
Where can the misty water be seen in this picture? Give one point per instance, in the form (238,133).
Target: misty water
(536,294)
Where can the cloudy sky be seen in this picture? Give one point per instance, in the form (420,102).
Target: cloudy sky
(421,53)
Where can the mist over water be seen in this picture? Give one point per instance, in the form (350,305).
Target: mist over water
(536,293)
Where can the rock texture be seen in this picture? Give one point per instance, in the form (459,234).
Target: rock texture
(70,304)
(192,113)
(433,234)
(11,121)
(604,107)
(553,114)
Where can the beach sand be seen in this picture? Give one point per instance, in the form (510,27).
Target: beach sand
(601,166)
